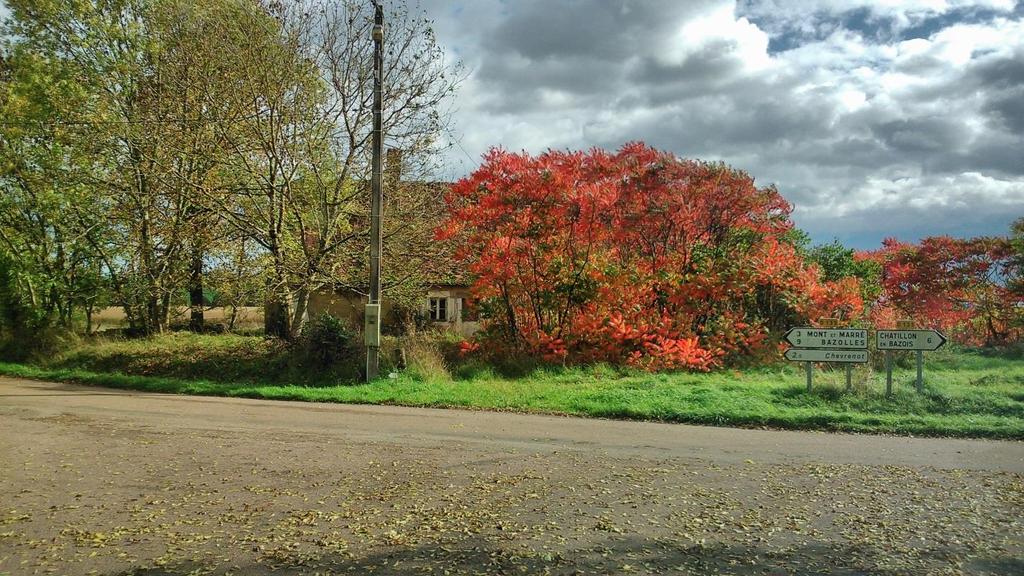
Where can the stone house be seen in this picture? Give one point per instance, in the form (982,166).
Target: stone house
(443,305)
(446,297)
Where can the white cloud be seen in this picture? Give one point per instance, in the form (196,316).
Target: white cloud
(718,28)
(868,132)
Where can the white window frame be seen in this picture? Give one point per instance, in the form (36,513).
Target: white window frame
(437,306)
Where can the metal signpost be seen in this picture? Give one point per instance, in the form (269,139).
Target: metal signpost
(845,345)
(849,356)
(830,338)
(919,341)
(850,346)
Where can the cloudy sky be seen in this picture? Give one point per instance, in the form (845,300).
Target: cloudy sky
(873,119)
(887,118)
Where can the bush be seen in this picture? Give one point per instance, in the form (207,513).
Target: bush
(407,319)
(492,357)
(425,355)
(37,344)
(655,262)
(327,341)
(901,359)
(1010,351)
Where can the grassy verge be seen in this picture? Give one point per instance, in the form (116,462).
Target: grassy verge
(966,394)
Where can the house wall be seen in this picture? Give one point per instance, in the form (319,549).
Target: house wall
(455,296)
(350,306)
(347,306)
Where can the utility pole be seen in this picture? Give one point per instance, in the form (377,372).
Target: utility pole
(373,309)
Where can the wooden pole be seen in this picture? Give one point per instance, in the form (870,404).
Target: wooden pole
(376,182)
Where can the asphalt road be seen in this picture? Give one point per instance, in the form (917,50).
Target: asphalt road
(97,481)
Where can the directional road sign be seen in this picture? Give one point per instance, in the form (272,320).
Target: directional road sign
(830,338)
(926,340)
(849,356)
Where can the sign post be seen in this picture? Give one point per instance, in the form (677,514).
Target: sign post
(844,345)
(919,341)
(888,373)
(920,370)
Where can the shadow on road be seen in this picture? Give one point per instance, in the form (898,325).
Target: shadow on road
(61,395)
(620,556)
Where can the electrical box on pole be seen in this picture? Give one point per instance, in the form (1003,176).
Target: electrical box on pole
(371,327)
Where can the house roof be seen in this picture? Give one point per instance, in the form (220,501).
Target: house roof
(412,212)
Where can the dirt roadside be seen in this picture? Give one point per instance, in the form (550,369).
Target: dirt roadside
(96,481)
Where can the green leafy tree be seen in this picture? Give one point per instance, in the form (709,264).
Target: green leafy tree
(299,132)
(837,262)
(51,218)
(142,136)
(98,54)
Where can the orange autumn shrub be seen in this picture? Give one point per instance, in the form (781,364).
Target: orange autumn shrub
(635,258)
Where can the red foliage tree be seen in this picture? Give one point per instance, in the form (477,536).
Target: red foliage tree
(955,285)
(636,257)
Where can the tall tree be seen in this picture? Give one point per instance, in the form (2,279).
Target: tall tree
(148,133)
(300,140)
(109,49)
(185,124)
(46,158)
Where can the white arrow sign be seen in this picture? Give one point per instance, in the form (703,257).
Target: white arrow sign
(926,340)
(836,338)
(801,355)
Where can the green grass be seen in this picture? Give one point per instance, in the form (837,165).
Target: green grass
(182,355)
(966,393)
